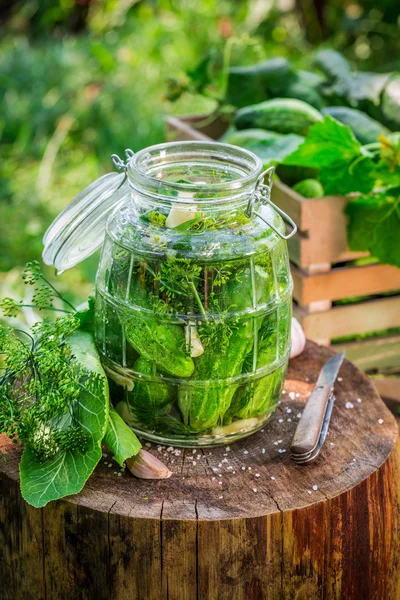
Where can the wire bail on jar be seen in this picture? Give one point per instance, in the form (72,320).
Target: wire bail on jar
(119,163)
(262,195)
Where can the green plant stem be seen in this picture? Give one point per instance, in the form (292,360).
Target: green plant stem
(198,300)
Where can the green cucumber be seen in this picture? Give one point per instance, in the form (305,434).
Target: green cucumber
(249,136)
(305,86)
(365,129)
(148,399)
(255,83)
(309,188)
(203,406)
(159,343)
(283,115)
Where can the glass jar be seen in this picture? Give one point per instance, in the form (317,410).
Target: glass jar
(193,290)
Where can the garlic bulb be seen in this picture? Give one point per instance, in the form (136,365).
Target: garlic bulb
(298,339)
(146,466)
(193,341)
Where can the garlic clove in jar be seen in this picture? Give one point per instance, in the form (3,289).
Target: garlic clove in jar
(180,214)
(147,466)
(193,341)
(298,339)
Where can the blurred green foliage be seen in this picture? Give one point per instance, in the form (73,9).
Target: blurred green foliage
(83,79)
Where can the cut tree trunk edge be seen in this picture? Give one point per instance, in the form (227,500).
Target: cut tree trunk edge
(176,539)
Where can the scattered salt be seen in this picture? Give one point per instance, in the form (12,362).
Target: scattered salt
(288,410)
(228,449)
(283,391)
(349,405)
(298,416)
(194,463)
(245,451)
(281,450)
(315,487)
(148,445)
(280,421)
(220,482)
(340,378)
(254,490)
(243,468)
(119,474)
(292,395)
(273,478)
(380,421)
(257,475)
(309,491)
(220,497)
(297,395)
(263,451)
(289,420)
(359,400)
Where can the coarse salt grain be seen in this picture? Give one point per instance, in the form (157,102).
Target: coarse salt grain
(340,378)
(220,497)
(243,468)
(380,421)
(315,487)
(273,478)
(280,420)
(283,391)
(292,395)
(289,420)
(309,491)
(228,449)
(220,482)
(194,463)
(288,410)
(148,445)
(119,474)
(257,475)
(263,451)
(254,490)
(298,416)
(297,395)
(281,450)
(349,405)
(245,451)
(359,400)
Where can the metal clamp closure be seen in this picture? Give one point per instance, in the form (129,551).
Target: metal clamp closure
(121,164)
(262,195)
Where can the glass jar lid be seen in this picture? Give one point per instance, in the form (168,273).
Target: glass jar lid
(79,229)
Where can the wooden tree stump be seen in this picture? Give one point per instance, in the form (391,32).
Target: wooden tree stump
(238,524)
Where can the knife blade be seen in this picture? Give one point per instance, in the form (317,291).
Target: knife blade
(313,426)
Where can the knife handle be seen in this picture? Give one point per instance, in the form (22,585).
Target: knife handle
(309,428)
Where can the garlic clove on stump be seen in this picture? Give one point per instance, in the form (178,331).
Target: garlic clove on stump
(146,466)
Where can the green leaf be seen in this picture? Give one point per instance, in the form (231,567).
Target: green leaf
(62,475)
(375,225)
(332,148)
(67,471)
(119,438)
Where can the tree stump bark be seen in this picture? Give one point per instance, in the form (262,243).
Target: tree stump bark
(243,523)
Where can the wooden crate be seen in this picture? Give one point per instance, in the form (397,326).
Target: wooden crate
(322,271)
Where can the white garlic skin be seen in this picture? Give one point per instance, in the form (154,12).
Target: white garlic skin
(298,339)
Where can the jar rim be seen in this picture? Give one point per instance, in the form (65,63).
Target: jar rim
(142,181)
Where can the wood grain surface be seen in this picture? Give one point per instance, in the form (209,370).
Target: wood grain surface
(244,523)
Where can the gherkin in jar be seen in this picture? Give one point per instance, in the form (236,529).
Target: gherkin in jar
(193,295)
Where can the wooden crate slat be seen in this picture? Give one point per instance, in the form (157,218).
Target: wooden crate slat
(380,353)
(351,319)
(344,282)
(388,387)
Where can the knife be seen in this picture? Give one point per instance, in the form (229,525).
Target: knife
(312,429)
